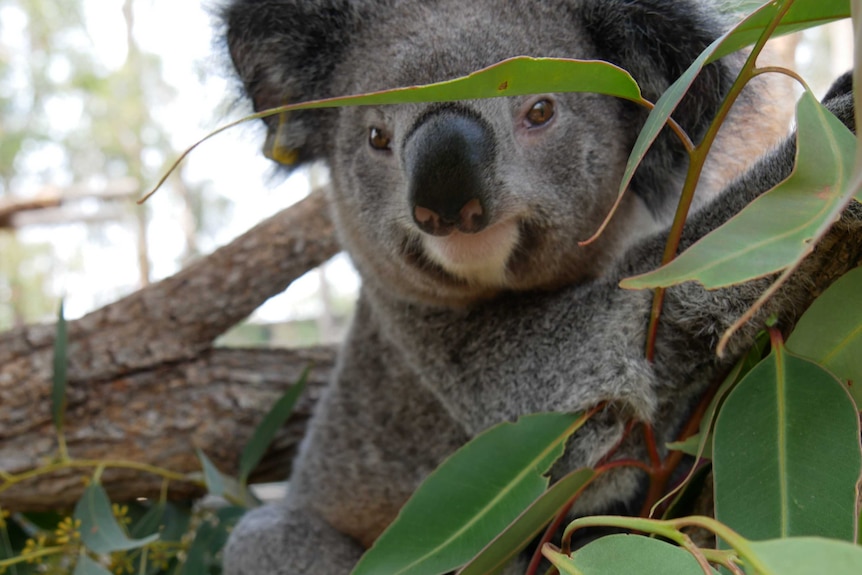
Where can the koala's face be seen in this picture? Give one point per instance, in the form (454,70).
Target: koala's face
(450,202)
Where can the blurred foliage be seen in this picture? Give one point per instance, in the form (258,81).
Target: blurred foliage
(146,537)
(70,118)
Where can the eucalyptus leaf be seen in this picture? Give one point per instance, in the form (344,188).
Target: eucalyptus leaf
(99,529)
(528,525)
(473,496)
(221,485)
(167,518)
(660,115)
(200,554)
(786,454)
(803,14)
(517,76)
(617,554)
(806,555)
(830,332)
(268,427)
(150,522)
(780,227)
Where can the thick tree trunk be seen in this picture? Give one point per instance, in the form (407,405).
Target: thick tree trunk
(145,382)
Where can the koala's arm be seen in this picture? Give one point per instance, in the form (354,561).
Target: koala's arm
(693,312)
(577,347)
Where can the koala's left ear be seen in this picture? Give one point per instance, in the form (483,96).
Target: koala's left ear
(285,51)
(656,41)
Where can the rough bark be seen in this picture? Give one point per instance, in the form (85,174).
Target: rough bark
(145,382)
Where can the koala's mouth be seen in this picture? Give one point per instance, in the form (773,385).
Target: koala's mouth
(478,259)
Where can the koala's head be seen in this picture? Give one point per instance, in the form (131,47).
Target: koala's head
(446,203)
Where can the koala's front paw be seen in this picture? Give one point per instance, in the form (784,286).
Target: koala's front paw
(839,100)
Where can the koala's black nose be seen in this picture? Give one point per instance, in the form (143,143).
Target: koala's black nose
(448,159)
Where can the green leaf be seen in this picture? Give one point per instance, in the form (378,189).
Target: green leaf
(58,392)
(517,76)
(786,453)
(216,482)
(268,427)
(471,497)
(635,554)
(100,531)
(806,556)
(830,332)
(87,566)
(627,554)
(803,14)
(169,519)
(780,227)
(200,555)
(660,114)
(528,525)
(696,445)
(221,485)
(150,522)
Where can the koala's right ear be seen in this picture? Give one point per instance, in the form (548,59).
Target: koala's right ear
(285,51)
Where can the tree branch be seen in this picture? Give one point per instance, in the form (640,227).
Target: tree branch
(15,213)
(144,380)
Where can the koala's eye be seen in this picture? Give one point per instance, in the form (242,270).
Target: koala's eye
(379,139)
(541,113)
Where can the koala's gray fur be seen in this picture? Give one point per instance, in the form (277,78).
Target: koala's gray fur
(494,311)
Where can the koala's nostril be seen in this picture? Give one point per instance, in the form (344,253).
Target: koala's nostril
(472,217)
(430,222)
(424,216)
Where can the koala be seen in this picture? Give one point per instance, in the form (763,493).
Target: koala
(478,305)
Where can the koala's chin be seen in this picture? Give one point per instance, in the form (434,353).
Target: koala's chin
(480,259)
